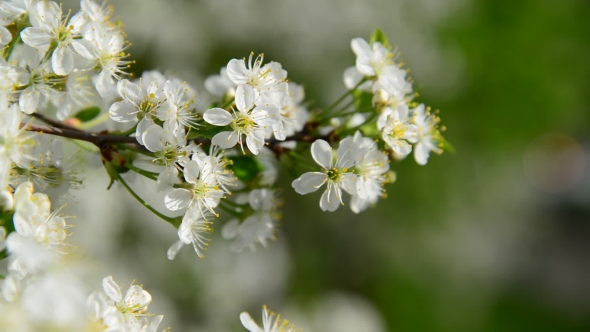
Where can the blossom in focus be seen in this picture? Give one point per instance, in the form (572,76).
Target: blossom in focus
(250,120)
(336,173)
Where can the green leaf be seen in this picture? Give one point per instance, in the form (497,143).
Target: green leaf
(88,113)
(363,100)
(379,36)
(246,168)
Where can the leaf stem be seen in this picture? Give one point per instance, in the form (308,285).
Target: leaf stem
(173,221)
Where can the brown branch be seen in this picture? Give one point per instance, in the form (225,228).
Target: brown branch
(55,123)
(94,138)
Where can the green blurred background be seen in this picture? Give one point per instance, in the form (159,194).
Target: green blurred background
(493,238)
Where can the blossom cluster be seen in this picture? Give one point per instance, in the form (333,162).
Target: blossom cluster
(65,78)
(44,289)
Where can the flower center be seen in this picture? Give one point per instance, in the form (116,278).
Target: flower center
(243,123)
(335,174)
(398,131)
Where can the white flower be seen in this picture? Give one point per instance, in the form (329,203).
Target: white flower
(271,322)
(121,313)
(370,59)
(371,168)
(338,175)
(108,49)
(220,85)
(260,227)
(398,130)
(224,176)
(202,192)
(40,234)
(193,230)
(179,106)
(394,81)
(262,78)
(11,10)
(293,115)
(140,101)
(48,29)
(170,148)
(254,122)
(16,144)
(37,79)
(429,138)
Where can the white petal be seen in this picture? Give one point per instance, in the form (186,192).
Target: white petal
(137,297)
(225,139)
(330,200)
(245,97)
(237,72)
(174,249)
(421,153)
(321,152)
(360,47)
(29,100)
(352,77)
(130,91)
(167,178)
(346,153)
(5,36)
(112,289)
(218,117)
(348,183)
(309,182)
(178,199)
(62,61)
(266,115)
(35,37)
(358,204)
(231,229)
(154,138)
(142,126)
(402,147)
(85,49)
(123,111)
(254,141)
(249,323)
(191,171)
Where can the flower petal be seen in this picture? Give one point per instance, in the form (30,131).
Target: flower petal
(421,153)
(191,171)
(112,289)
(321,152)
(225,139)
(245,97)
(249,323)
(29,100)
(174,249)
(309,182)
(237,72)
(35,37)
(178,199)
(218,117)
(154,138)
(330,200)
(62,61)
(123,111)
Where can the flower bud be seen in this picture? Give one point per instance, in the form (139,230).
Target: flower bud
(380,98)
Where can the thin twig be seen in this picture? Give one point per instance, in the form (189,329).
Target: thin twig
(54,123)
